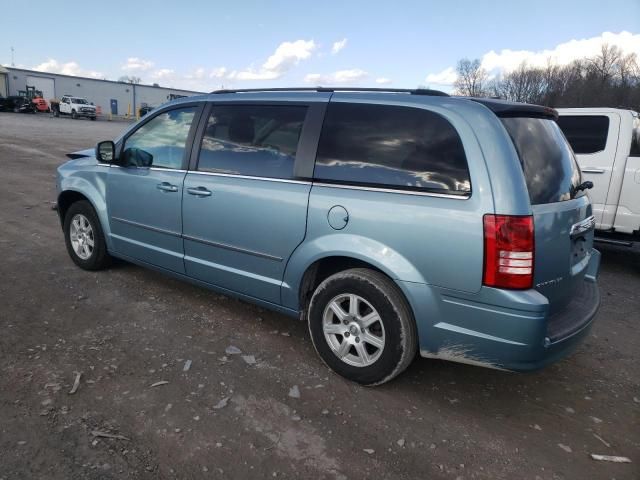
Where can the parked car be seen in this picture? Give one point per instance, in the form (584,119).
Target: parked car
(144,109)
(17,104)
(393,222)
(76,107)
(606,142)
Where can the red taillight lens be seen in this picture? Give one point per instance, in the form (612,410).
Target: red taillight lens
(508,251)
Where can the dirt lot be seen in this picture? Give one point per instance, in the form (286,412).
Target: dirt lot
(127,328)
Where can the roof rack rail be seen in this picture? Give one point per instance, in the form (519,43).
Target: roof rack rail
(414,91)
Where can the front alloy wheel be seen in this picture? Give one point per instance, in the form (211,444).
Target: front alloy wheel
(82,239)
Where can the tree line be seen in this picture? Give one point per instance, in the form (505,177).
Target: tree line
(608,79)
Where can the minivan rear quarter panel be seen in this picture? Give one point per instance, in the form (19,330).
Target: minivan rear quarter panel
(442,239)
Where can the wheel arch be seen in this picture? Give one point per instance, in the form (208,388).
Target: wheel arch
(313,262)
(69,196)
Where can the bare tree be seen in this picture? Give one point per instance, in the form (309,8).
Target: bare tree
(609,78)
(524,84)
(472,78)
(604,64)
(628,69)
(130,79)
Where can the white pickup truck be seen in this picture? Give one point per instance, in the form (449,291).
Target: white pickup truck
(76,107)
(606,142)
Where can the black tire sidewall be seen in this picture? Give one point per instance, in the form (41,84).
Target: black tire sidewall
(379,296)
(99,255)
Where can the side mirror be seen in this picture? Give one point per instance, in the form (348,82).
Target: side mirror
(106,151)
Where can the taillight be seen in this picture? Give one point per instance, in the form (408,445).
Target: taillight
(508,251)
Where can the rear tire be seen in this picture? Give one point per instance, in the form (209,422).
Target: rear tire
(362,327)
(84,237)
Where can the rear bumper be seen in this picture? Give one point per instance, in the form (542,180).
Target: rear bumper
(503,329)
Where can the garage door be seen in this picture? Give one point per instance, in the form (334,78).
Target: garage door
(44,84)
(3,85)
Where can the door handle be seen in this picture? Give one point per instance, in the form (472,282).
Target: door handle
(592,170)
(199,191)
(167,187)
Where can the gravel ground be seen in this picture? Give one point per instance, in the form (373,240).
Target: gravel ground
(125,329)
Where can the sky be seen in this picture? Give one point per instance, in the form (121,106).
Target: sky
(205,45)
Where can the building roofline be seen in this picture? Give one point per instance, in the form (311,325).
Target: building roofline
(9,69)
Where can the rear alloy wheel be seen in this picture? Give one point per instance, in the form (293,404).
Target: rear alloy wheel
(84,238)
(362,327)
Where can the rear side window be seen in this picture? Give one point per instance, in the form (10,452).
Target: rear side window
(391,146)
(549,166)
(252,140)
(585,133)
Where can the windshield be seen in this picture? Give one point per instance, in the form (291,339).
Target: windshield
(548,163)
(80,101)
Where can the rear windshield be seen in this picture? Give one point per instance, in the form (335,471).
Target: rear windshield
(549,166)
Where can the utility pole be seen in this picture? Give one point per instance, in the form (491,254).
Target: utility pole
(13,63)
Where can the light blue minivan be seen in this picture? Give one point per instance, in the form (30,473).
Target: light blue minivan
(393,222)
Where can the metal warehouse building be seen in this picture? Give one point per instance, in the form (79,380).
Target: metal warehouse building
(117,98)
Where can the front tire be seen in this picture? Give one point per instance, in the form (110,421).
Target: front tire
(84,237)
(74,115)
(362,327)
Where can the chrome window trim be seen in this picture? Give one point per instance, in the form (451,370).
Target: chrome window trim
(147,227)
(155,169)
(393,190)
(251,177)
(232,248)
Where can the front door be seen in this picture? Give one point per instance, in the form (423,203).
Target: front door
(144,193)
(594,139)
(243,212)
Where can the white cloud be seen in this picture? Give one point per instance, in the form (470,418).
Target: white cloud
(220,72)
(340,77)
(383,81)
(68,68)
(508,60)
(339,45)
(445,77)
(286,56)
(163,74)
(135,64)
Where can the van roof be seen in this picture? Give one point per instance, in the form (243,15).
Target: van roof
(502,108)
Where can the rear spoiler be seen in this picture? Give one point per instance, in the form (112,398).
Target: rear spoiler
(503,108)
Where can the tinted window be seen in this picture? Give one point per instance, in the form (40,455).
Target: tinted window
(391,146)
(161,141)
(253,140)
(585,133)
(550,169)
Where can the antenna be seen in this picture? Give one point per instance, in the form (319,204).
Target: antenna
(13,63)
